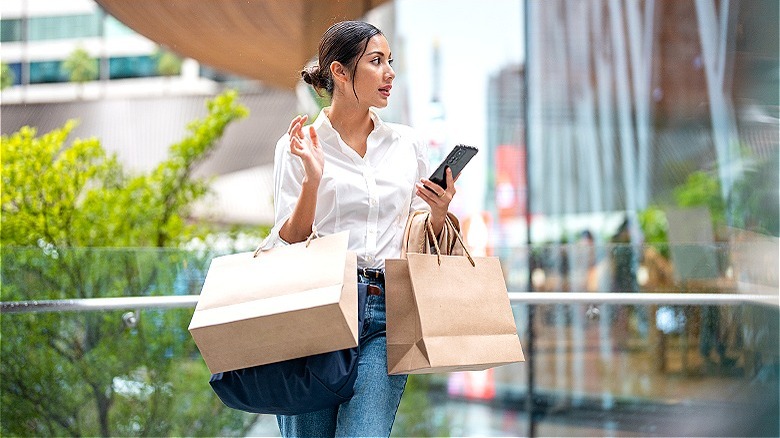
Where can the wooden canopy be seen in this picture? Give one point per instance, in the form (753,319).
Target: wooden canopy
(269,40)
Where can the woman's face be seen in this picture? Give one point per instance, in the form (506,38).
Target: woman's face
(374,75)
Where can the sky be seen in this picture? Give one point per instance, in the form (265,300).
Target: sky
(476,38)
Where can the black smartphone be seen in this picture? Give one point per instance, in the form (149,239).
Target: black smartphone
(456,160)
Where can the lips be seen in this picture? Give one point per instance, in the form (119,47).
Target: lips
(385,91)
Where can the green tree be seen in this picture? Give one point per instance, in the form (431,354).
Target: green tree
(66,208)
(80,67)
(7,76)
(168,63)
(702,189)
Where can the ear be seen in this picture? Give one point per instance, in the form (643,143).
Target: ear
(338,72)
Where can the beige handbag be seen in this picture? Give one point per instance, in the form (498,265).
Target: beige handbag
(284,303)
(447,313)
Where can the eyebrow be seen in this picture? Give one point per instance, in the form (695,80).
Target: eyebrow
(377,52)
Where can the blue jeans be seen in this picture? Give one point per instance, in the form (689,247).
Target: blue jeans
(372,409)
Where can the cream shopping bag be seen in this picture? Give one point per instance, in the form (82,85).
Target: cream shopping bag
(448,313)
(288,302)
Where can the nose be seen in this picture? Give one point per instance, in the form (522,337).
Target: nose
(390,73)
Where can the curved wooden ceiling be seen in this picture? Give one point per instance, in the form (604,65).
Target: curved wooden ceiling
(269,40)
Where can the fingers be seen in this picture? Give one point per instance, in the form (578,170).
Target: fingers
(450,181)
(315,140)
(296,125)
(433,193)
(296,146)
(295,132)
(430,186)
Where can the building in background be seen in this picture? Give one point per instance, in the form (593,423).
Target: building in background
(38,36)
(505,196)
(139,101)
(628,99)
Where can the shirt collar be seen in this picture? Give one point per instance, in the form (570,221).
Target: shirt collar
(380,127)
(322,119)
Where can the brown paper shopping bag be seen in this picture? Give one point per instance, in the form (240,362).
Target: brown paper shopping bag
(288,302)
(448,313)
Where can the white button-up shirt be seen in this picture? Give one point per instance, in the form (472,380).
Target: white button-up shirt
(371,196)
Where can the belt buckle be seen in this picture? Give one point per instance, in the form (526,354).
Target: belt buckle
(370,273)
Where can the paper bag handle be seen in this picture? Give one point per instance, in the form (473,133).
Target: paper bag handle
(314,234)
(449,223)
(432,236)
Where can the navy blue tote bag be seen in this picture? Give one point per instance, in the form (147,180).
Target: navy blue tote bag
(294,386)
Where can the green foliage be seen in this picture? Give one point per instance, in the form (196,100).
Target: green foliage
(756,198)
(702,190)
(7,76)
(80,66)
(753,202)
(416,416)
(77,195)
(168,63)
(89,374)
(655,228)
(49,189)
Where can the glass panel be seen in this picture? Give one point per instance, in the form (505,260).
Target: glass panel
(711,372)
(639,107)
(109,373)
(132,67)
(115,28)
(94,374)
(10,30)
(46,72)
(47,273)
(63,27)
(16,68)
(603,370)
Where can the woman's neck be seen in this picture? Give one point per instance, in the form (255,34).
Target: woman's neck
(353,123)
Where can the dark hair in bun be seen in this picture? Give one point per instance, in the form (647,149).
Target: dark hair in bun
(344,42)
(317,78)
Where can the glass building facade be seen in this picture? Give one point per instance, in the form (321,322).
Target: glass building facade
(75,29)
(627,100)
(651,143)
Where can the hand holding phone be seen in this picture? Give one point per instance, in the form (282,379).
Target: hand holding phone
(456,160)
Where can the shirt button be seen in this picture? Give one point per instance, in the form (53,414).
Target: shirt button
(372,202)
(370,258)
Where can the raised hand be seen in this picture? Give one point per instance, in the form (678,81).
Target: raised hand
(307,149)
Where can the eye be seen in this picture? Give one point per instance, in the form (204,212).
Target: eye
(390,61)
(375,60)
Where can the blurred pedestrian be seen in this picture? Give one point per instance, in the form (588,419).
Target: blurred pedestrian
(623,279)
(583,262)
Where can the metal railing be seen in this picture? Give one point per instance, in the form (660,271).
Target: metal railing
(184,301)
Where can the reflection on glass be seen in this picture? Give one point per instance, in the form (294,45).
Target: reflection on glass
(101,373)
(620,370)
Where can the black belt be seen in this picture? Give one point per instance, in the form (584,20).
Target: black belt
(370,273)
(373,274)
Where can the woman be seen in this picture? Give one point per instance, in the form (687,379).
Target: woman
(350,170)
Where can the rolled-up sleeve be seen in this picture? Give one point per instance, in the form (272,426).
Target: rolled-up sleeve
(288,177)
